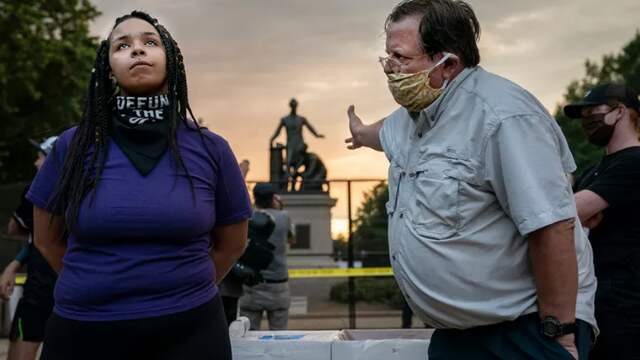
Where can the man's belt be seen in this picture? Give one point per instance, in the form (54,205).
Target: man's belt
(272,281)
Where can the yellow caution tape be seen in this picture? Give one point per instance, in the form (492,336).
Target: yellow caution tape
(307,273)
(20,279)
(339,272)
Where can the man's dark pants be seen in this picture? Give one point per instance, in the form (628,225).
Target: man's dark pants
(512,340)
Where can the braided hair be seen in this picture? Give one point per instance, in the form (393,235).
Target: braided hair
(88,149)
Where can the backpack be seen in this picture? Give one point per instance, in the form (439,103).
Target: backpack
(259,252)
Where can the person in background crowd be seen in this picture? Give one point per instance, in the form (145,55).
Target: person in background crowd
(36,304)
(607,198)
(271,294)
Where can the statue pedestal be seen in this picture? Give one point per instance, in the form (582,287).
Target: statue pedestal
(311,218)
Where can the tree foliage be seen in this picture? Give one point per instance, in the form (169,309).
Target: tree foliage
(622,68)
(370,236)
(46,55)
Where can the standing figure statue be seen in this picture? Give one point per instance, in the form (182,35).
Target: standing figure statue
(296,147)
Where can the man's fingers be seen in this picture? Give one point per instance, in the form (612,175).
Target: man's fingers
(352,114)
(349,140)
(351,110)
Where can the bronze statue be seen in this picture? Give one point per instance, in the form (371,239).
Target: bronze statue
(288,174)
(296,147)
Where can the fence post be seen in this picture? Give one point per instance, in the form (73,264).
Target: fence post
(351,288)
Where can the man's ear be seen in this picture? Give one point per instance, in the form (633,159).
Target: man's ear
(451,66)
(623,110)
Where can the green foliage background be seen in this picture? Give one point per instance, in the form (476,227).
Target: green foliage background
(622,68)
(46,55)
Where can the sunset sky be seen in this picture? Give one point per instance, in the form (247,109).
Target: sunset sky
(246,58)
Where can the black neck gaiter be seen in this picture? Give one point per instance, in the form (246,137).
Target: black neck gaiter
(140,127)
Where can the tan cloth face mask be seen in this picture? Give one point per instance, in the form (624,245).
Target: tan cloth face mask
(412,91)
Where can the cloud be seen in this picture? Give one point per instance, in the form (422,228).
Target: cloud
(524,19)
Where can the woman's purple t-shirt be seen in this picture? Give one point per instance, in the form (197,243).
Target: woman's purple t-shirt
(140,249)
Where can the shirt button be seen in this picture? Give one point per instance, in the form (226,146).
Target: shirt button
(401,215)
(412,174)
(393,257)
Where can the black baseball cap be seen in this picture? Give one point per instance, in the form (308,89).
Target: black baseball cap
(263,190)
(604,94)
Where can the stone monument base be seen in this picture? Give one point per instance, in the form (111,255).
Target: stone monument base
(311,219)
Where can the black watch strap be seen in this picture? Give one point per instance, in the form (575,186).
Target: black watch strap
(551,327)
(568,329)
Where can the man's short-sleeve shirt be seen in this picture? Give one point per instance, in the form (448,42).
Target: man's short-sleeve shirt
(470,177)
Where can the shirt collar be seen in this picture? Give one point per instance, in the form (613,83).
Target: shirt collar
(432,112)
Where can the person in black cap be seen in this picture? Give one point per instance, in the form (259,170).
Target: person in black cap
(36,304)
(271,293)
(607,198)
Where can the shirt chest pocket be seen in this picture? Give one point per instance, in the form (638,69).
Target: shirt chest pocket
(435,209)
(395,176)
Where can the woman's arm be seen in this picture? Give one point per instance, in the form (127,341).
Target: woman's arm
(48,231)
(229,242)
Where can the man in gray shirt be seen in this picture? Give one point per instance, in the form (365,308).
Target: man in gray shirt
(483,234)
(271,294)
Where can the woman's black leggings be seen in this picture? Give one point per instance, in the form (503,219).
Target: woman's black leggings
(199,333)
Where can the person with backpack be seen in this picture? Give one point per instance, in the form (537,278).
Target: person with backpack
(269,291)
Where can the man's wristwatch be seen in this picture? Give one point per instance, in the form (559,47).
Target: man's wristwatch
(552,328)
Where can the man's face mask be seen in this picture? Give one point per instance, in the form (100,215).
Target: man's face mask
(412,91)
(598,132)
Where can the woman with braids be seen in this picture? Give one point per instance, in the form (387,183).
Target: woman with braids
(155,208)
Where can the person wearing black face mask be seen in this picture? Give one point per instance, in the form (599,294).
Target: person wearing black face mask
(607,196)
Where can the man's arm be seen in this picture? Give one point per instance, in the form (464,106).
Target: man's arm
(555,269)
(15,229)
(48,231)
(244,168)
(7,280)
(589,204)
(291,233)
(363,135)
(229,242)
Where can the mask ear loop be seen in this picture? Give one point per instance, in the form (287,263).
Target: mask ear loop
(440,62)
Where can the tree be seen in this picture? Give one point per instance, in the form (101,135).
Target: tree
(370,236)
(46,55)
(621,68)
